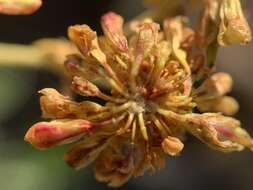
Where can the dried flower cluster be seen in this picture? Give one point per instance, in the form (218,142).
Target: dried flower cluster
(156,86)
(19,7)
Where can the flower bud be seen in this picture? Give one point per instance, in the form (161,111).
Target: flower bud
(146,40)
(19,7)
(225,104)
(73,64)
(87,42)
(86,151)
(84,87)
(234,28)
(76,66)
(172,146)
(215,86)
(112,25)
(45,135)
(54,105)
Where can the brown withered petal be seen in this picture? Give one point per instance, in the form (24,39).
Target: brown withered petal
(234,28)
(156,159)
(45,135)
(77,66)
(115,169)
(229,129)
(172,146)
(147,38)
(73,63)
(141,163)
(112,25)
(219,132)
(19,7)
(86,151)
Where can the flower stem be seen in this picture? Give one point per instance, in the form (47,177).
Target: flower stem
(21,56)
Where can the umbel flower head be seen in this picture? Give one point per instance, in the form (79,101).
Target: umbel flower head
(156,97)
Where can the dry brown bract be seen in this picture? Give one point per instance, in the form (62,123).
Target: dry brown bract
(153,77)
(19,7)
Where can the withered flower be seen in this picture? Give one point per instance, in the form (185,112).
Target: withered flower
(234,28)
(19,7)
(223,21)
(153,76)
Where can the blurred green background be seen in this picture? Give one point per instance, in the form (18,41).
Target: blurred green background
(24,168)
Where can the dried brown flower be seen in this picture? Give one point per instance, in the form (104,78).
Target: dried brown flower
(234,29)
(223,20)
(153,76)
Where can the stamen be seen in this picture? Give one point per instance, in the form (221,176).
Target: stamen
(184,102)
(171,114)
(165,125)
(112,121)
(133,78)
(123,107)
(142,126)
(128,124)
(159,126)
(133,131)
(111,99)
(121,62)
(114,110)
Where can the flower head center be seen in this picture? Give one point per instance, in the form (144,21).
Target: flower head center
(142,105)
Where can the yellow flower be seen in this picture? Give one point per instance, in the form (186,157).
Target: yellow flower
(153,76)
